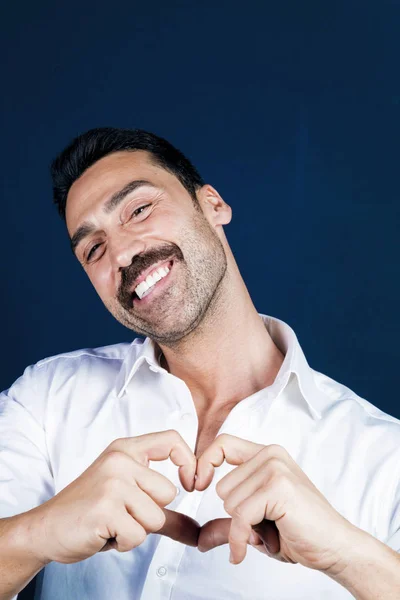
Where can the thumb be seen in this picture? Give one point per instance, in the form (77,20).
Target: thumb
(269,535)
(214,533)
(180,527)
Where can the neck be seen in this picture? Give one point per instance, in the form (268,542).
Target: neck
(229,356)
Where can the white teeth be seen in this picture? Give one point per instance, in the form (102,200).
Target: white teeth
(151,280)
(157,276)
(141,288)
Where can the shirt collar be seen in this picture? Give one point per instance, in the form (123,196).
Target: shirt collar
(147,352)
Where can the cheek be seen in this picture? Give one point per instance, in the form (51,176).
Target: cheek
(102,280)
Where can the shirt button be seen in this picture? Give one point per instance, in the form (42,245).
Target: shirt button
(186,416)
(161,571)
(178,490)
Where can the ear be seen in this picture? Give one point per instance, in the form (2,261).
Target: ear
(215,209)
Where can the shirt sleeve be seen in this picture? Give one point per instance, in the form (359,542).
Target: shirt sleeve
(25,472)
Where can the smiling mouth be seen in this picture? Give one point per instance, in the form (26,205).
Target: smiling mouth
(147,285)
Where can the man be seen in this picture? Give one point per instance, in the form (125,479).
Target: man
(215,415)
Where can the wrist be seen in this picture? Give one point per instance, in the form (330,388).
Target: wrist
(352,551)
(27,537)
(366,566)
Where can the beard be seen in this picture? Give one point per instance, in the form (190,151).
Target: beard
(200,265)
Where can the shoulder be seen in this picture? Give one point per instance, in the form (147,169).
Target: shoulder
(354,454)
(358,428)
(112,352)
(339,401)
(62,373)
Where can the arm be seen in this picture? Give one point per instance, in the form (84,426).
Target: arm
(370,571)
(278,510)
(18,564)
(114,504)
(25,478)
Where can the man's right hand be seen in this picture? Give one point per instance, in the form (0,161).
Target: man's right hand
(118,497)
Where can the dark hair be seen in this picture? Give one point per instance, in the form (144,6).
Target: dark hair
(94,144)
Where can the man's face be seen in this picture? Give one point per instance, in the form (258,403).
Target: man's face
(151,228)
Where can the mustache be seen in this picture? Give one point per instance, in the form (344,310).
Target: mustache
(139,263)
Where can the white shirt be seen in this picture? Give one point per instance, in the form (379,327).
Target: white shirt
(63,411)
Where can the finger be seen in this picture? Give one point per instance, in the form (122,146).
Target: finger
(265,503)
(160,446)
(180,527)
(259,479)
(248,476)
(253,509)
(239,535)
(260,460)
(244,490)
(143,509)
(128,534)
(249,512)
(154,484)
(214,533)
(225,447)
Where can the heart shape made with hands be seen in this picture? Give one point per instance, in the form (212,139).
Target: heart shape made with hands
(272,503)
(263,535)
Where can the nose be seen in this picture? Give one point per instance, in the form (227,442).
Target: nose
(123,248)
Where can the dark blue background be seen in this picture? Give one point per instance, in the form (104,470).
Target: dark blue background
(290,109)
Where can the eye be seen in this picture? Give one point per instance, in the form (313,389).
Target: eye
(139,210)
(135,213)
(92,251)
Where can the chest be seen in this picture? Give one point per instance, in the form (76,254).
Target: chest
(207,432)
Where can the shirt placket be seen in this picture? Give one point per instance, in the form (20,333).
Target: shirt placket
(164,566)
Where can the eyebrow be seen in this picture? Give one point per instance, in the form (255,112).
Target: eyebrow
(87,227)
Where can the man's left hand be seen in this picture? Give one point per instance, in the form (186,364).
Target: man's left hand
(274,507)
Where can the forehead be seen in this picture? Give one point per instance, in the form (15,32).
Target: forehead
(108,175)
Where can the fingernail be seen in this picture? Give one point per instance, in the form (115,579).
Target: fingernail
(231,558)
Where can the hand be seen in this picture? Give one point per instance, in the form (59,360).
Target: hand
(116,502)
(274,506)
